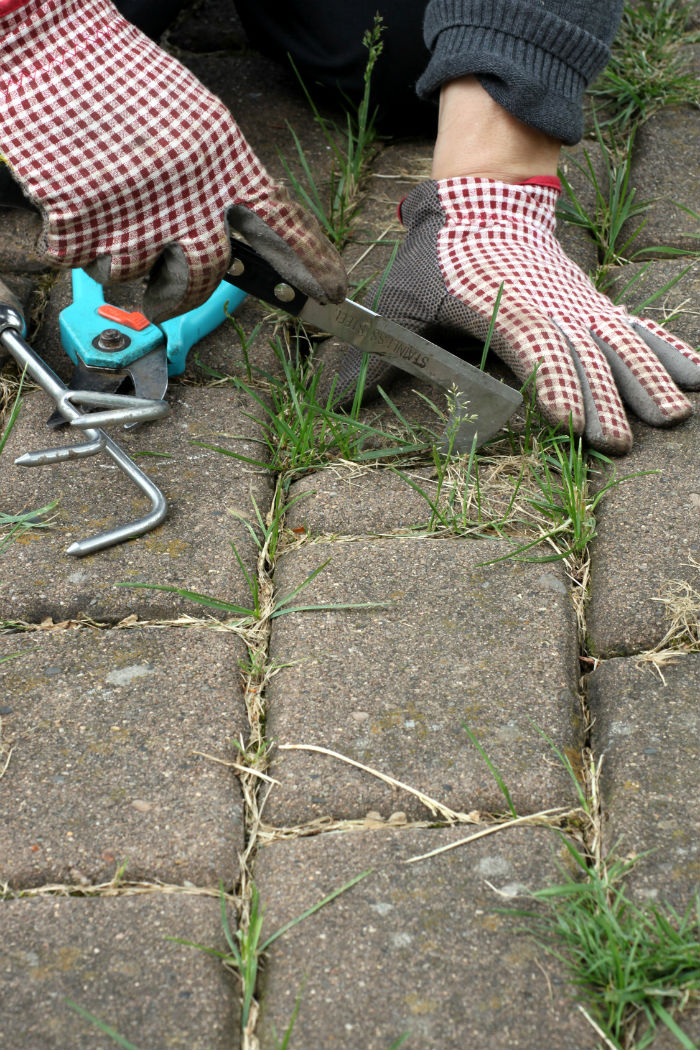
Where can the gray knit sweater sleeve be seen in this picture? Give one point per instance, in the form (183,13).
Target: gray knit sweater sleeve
(534,57)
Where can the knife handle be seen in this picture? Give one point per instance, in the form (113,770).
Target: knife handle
(252,274)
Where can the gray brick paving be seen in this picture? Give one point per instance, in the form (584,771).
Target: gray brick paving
(673,188)
(415,948)
(190,550)
(647,537)
(492,647)
(645,726)
(112,957)
(104,729)
(422,949)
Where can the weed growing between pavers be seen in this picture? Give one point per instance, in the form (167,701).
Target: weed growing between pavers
(247,947)
(634,966)
(352,149)
(648,68)
(12,526)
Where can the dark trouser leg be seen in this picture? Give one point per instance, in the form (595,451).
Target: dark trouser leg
(534,57)
(151,16)
(324,38)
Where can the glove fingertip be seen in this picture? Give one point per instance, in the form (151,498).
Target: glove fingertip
(678,358)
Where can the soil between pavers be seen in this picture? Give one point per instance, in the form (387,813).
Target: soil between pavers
(105,734)
(191,549)
(392,687)
(422,948)
(645,727)
(112,957)
(646,538)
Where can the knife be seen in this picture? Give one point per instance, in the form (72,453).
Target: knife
(483,405)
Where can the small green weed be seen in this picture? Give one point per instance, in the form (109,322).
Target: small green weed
(246,947)
(301,431)
(351,148)
(608,224)
(259,610)
(634,965)
(648,68)
(103,1027)
(17,524)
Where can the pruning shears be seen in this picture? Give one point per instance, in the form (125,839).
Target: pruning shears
(110,346)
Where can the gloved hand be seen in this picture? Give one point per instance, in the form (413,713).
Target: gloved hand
(135,166)
(466,236)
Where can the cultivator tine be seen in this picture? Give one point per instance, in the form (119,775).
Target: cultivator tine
(117,409)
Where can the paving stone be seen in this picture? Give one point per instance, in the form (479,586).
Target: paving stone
(346,499)
(670,135)
(646,536)
(676,303)
(646,729)
(492,647)
(106,732)
(210,26)
(191,549)
(112,957)
(19,231)
(422,949)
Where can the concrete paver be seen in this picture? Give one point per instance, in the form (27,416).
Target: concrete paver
(491,647)
(112,957)
(108,731)
(366,501)
(645,727)
(673,188)
(190,550)
(646,537)
(423,950)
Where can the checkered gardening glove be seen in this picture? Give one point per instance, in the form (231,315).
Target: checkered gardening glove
(466,236)
(135,166)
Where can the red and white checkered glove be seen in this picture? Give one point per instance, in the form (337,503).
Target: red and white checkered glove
(135,166)
(466,236)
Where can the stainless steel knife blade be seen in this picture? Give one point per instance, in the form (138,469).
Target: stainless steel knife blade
(482,404)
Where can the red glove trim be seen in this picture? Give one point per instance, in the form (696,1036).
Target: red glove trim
(8,6)
(543,180)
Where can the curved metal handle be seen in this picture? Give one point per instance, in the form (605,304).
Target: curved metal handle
(11,322)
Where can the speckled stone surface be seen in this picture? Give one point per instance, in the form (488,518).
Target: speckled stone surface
(647,537)
(664,171)
(112,740)
(112,957)
(423,950)
(392,687)
(645,725)
(190,550)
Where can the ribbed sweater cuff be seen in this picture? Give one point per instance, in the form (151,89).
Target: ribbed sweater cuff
(532,61)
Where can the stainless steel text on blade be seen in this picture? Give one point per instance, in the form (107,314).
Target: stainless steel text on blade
(492,402)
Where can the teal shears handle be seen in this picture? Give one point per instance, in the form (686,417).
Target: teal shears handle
(82,322)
